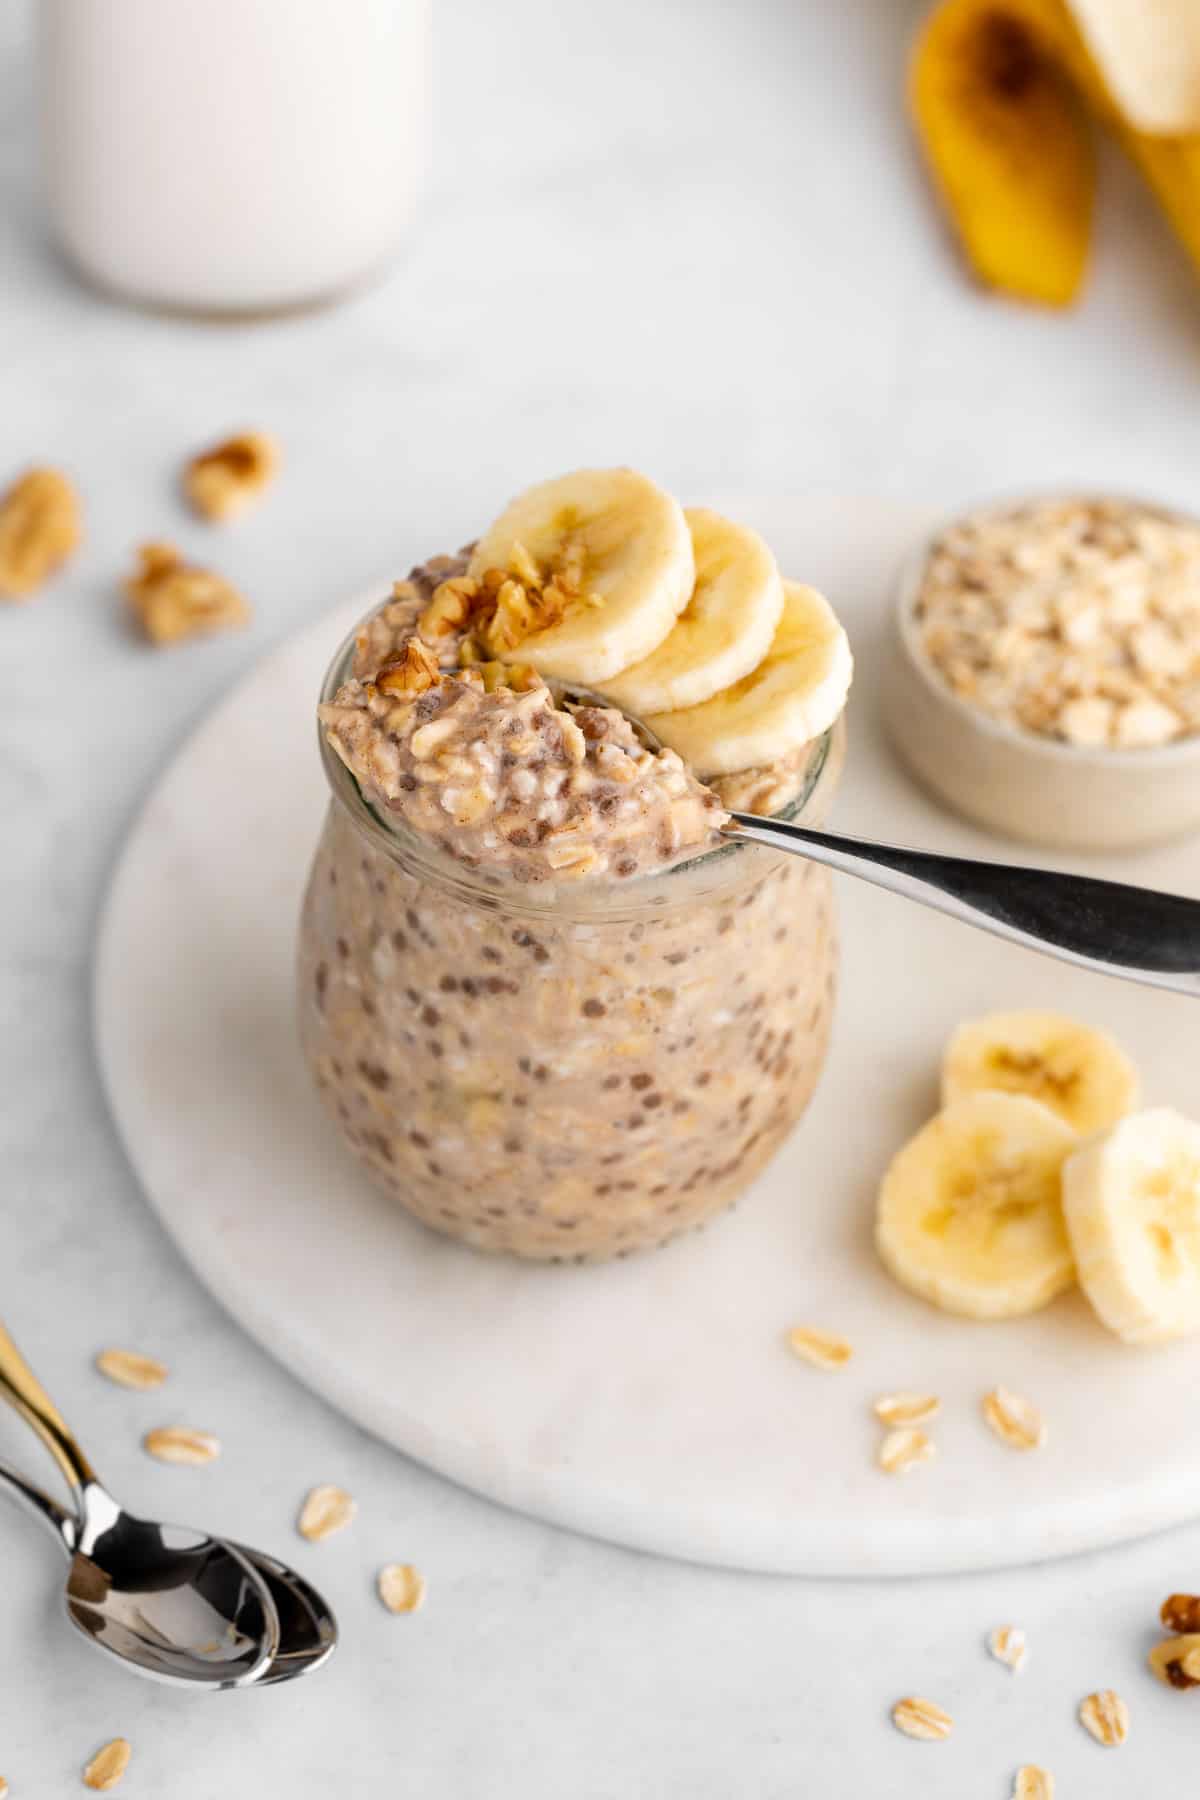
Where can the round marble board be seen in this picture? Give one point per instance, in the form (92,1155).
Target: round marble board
(650,1401)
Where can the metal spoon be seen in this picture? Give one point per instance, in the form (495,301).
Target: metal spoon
(173,1603)
(308,1631)
(1138,934)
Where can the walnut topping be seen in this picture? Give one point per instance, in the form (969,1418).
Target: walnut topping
(1180,1613)
(1177,1660)
(412,672)
(39,529)
(226,479)
(173,600)
(503,607)
(452,606)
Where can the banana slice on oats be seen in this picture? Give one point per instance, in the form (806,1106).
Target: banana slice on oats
(599,565)
(722,633)
(1081,1074)
(970,1211)
(795,693)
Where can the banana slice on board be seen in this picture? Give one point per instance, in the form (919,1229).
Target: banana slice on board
(1132,1206)
(795,693)
(605,557)
(1081,1074)
(970,1211)
(722,633)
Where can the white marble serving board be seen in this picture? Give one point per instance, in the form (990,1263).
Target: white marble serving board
(649,1401)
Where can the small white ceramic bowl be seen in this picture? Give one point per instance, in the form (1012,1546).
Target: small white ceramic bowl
(1016,782)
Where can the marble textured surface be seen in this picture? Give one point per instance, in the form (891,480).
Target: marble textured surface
(689,237)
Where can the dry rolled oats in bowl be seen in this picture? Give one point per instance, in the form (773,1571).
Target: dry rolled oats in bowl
(548,1008)
(1044,675)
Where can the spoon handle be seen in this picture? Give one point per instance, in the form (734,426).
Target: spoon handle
(37,1501)
(25,1393)
(1136,933)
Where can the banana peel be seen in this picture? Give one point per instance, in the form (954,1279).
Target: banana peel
(1005,95)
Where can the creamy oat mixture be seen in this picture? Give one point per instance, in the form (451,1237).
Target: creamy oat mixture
(1076,619)
(484,764)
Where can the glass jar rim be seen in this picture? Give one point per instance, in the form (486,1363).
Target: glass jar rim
(723,867)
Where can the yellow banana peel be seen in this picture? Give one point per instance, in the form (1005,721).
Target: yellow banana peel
(1004,94)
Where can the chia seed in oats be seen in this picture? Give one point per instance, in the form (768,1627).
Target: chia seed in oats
(1073,619)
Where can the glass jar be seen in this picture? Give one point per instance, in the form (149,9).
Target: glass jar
(232,156)
(564,1073)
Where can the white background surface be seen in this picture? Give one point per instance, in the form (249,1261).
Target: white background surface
(688,237)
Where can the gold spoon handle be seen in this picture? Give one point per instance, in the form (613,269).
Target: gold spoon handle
(25,1393)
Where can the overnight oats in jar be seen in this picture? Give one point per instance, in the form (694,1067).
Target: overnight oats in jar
(552,1012)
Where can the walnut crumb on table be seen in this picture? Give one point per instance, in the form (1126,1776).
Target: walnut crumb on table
(173,600)
(39,529)
(224,481)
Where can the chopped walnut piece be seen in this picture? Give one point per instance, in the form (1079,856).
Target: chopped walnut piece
(108,1765)
(918,1718)
(1180,1613)
(452,606)
(39,530)
(173,600)
(1177,1660)
(412,672)
(225,480)
(326,1509)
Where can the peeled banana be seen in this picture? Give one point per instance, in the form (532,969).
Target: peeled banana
(970,1211)
(1081,1074)
(1132,1205)
(1003,94)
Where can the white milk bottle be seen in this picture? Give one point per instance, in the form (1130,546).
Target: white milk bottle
(232,156)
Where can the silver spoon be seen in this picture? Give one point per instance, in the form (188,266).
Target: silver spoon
(1136,933)
(172,1603)
(308,1631)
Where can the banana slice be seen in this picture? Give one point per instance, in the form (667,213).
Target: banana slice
(970,1213)
(602,563)
(722,633)
(1079,1073)
(795,693)
(1132,1206)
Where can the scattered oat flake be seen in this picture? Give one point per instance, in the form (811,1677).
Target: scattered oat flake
(327,1509)
(1015,1420)
(1032,1783)
(1007,1644)
(3,1788)
(902,1450)
(128,1368)
(823,1349)
(1106,1716)
(401,1587)
(108,1765)
(893,1410)
(922,1719)
(179,1444)
(1176,1661)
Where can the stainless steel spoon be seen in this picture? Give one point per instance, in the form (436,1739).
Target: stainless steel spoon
(308,1631)
(175,1604)
(1136,933)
